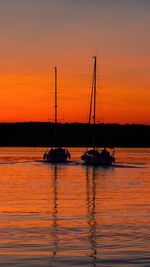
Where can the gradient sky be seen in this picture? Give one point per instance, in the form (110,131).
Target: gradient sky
(37,35)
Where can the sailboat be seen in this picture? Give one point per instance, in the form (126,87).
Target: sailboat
(56,154)
(94,156)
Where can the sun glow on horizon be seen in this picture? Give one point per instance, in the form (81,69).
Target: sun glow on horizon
(67,35)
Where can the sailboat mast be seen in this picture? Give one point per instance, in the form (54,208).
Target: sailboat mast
(91,101)
(94,102)
(94,87)
(55,95)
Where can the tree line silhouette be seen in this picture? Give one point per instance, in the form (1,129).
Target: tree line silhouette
(42,134)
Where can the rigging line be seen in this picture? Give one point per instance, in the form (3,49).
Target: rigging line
(94,111)
(94,103)
(55,94)
(91,100)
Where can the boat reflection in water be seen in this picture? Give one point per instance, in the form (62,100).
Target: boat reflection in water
(67,230)
(55,213)
(91,212)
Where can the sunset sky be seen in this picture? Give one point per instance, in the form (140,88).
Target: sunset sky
(36,35)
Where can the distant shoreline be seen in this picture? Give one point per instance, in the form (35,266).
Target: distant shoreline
(41,134)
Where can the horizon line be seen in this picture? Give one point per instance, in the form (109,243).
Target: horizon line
(76,122)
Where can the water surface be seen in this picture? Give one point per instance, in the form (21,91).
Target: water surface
(72,215)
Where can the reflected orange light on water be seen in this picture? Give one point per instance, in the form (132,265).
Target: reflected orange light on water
(73,213)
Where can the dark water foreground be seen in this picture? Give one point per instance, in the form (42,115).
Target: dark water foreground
(73,215)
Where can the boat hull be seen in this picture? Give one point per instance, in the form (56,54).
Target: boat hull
(97,162)
(96,158)
(56,155)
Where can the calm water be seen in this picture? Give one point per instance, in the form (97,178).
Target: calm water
(73,215)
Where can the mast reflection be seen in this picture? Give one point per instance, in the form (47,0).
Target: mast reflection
(55,211)
(91,212)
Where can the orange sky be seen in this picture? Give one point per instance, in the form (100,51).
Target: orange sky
(37,35)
